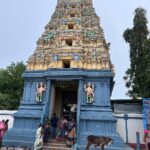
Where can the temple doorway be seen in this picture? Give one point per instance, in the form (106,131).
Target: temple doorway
(64,98)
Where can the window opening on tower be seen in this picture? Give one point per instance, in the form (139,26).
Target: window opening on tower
(73,6)
(69,42)
(72,15)
(70,26)
(66,63)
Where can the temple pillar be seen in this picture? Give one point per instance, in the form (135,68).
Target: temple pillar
(30,113)
(96,118)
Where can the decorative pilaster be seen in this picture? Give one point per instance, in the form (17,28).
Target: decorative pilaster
(46,108)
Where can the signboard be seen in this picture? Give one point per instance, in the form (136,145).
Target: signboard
(146,111)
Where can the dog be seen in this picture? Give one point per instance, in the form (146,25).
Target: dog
(98,141)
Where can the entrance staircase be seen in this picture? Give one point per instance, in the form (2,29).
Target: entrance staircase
(54,145)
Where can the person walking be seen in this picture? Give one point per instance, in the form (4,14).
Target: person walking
(54,121)
(39,138)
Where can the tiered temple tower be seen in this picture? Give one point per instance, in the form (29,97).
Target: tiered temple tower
(71,52)
(72,39)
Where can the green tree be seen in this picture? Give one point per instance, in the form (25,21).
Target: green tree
(11,85)
(138,75)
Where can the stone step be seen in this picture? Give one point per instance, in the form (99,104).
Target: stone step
(54,141)
(55,148)
(55,144)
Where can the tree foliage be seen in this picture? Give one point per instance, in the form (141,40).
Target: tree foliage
(138,75)
(11,85)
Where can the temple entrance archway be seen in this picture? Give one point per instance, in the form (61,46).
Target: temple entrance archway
(64,98)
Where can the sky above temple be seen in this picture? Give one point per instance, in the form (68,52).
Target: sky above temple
(22,22)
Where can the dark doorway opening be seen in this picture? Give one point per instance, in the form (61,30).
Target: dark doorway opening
(66,63)
(72,15)
(65,99)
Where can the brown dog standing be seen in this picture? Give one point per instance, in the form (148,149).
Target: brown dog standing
(98,141)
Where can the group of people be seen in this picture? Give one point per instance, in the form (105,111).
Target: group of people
(66,131)
(3,129)
(60,129)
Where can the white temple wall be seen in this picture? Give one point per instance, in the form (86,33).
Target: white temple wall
(134,124)
(7,114)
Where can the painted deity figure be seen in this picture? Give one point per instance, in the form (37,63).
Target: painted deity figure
(76,57)
(55,58)
(40,91)
(89,92)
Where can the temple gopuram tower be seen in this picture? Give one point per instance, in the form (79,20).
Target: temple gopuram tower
(72,39)
(70,74)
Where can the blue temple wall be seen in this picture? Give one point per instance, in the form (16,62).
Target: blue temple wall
(30,114)
(95,118)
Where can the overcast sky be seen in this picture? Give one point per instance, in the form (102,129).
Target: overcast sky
(22,22)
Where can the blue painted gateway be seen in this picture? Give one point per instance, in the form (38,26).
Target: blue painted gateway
(94,118)
(69,73)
